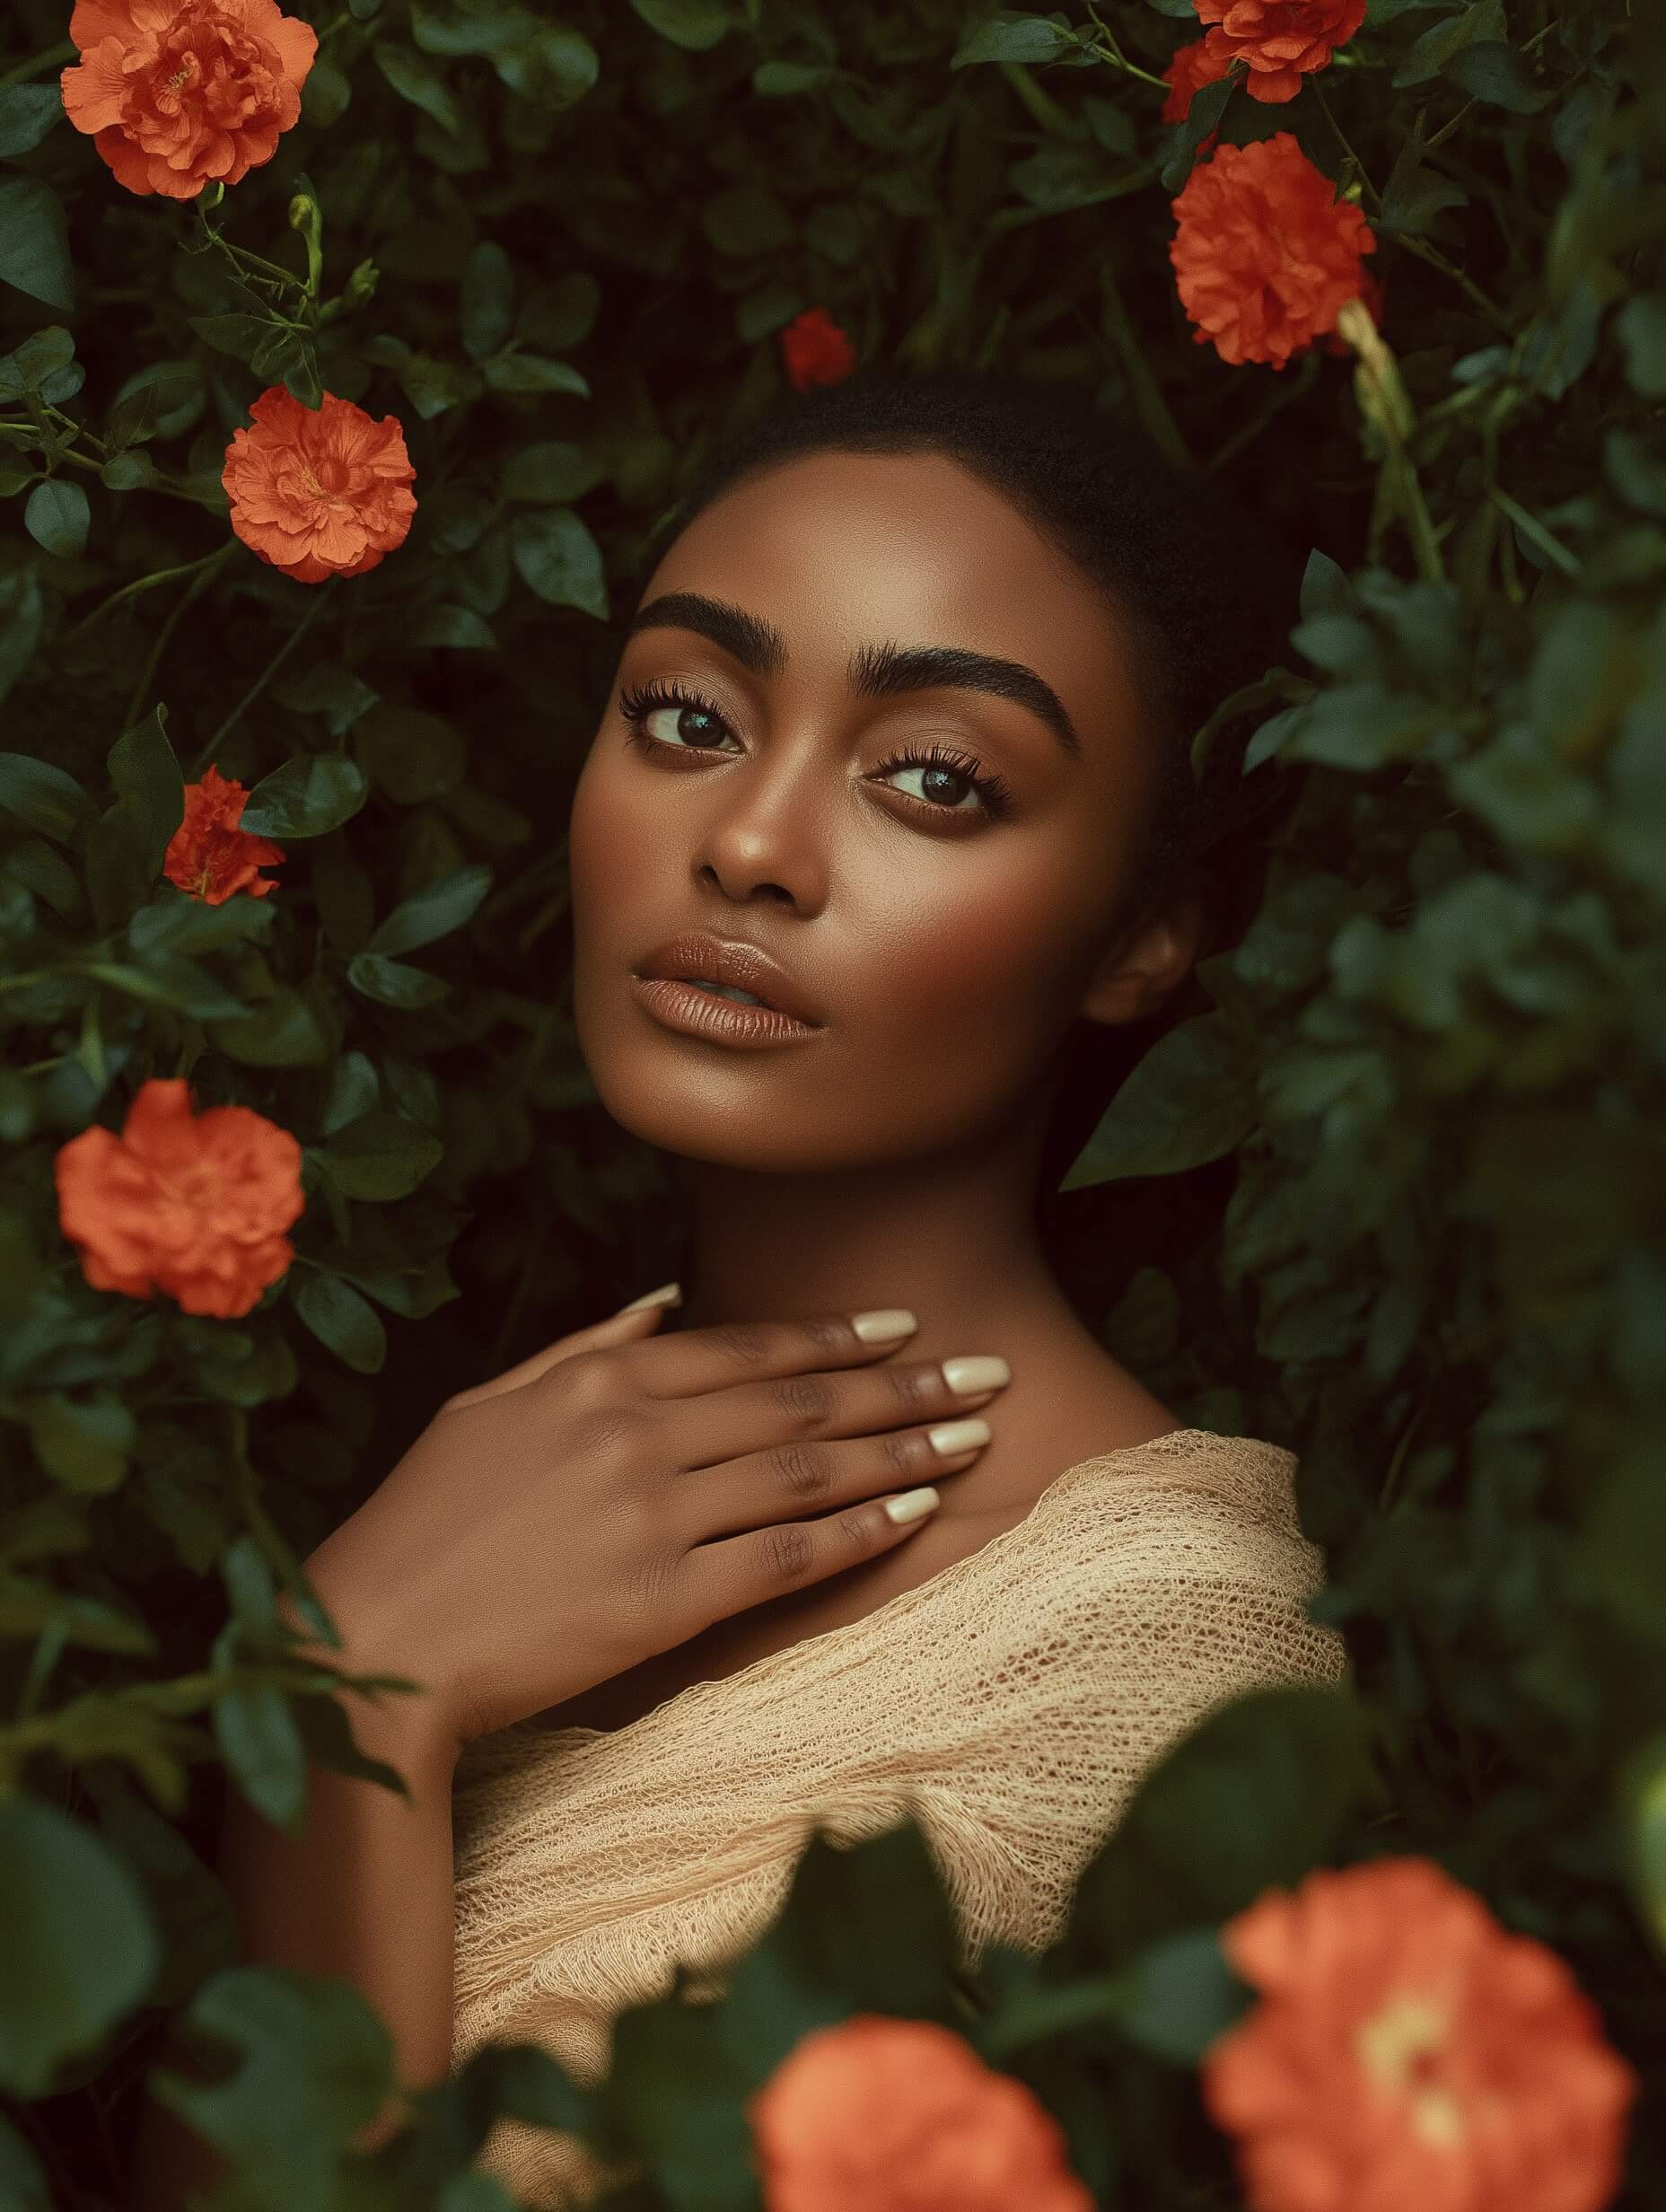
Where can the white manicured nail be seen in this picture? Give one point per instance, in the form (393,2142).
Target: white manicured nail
(668,1294)
(882,1322)
(913,1505)
(949,1437)
(969,1375)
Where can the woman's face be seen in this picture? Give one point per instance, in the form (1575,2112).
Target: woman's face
(756,776)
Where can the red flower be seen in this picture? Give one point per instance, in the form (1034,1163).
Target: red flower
(319,495)
(1192,68)
(879,2115)
(1282,40)
(180,93)
(1410,2055)
(208,854)
(1264,253)
(816,351)
(192,1205)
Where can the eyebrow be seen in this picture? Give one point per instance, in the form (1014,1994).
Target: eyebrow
(875,671)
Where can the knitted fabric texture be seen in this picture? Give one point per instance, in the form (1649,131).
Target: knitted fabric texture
(1009,1702)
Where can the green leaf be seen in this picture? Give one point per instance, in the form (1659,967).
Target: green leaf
(1022,39)
(241,335)
(85,1444)
(159,400)
(127,472)
(557,558)
(283,1031)
(79,1951)
(780,80)
(27,113)
(258,1740)
(486,300)
(1641,324)
(695,24)
(410,754)
(392,983)
(380,1156)
(434,912)
(43,797)
(1484,22)
(453,629)
(22,619)
(415,78)
(747,219)
(149,786)
(1279,1769)
(44,364)
(552,473)
(307,796)
(1208,107)
(1491,71)
(1187,1102)
(22,2184)
(57,517)
(326,94)
(520,371)
(175,922)
(315,2065)
(34,243)
(340,1318)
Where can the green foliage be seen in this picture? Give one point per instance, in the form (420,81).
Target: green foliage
(559,251)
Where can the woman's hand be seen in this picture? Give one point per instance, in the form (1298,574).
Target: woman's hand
(616,1493)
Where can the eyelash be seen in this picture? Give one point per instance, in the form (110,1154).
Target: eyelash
(994,793)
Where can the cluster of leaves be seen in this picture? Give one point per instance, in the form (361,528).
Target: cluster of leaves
(563,249)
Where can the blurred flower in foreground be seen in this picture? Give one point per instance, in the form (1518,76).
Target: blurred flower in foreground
(1281,41)
(1409,2054)
(319,495)
(208,854)
(178,94)
(816,351)
(194,1206)
(1264,253)
(882,2115)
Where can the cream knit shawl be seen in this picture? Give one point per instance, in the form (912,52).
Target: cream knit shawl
(1017,1695)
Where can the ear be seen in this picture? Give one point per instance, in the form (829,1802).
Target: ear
(1149,959)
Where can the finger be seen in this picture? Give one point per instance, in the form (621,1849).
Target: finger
(624,1326)
(795,1408)
(691,1362)
(739,1571)
(791,1481)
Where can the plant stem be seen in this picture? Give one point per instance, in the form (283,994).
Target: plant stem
(144,583)
(1341,138)
(263,678)
(1436,260)
(1152,407)
(1041,105)
(204,576)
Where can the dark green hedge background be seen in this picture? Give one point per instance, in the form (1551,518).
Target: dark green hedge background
(1393,1192)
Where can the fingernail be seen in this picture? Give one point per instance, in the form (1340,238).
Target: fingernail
(882,1323)
(951,1436)
(668,1294)
(913,1505)
(966,1377)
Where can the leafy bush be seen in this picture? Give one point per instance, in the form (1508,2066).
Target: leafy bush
(1419,1122)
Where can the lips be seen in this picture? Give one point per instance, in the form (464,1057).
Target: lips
(699,958)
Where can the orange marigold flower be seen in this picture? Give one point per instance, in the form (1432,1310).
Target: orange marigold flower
(208,854)
(193,1205)
(1264,253)
(816,351)
(1282,40)
(319,495)
(880,2115)
(182,93)
(1192,68)
(1409,2054)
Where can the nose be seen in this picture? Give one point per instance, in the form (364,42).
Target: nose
(764,831)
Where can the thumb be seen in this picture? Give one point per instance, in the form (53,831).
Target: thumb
(640,1317)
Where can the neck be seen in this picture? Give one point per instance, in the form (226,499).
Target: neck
(952,1237)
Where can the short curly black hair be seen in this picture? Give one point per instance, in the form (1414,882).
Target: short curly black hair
(1210,594)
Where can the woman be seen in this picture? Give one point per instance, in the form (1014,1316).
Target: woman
(897,746)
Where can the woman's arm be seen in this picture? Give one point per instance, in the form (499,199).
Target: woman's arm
(362,1891)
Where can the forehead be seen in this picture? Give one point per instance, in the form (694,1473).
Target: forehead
(843,549)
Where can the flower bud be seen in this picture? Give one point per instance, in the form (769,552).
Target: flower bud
(361,285)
